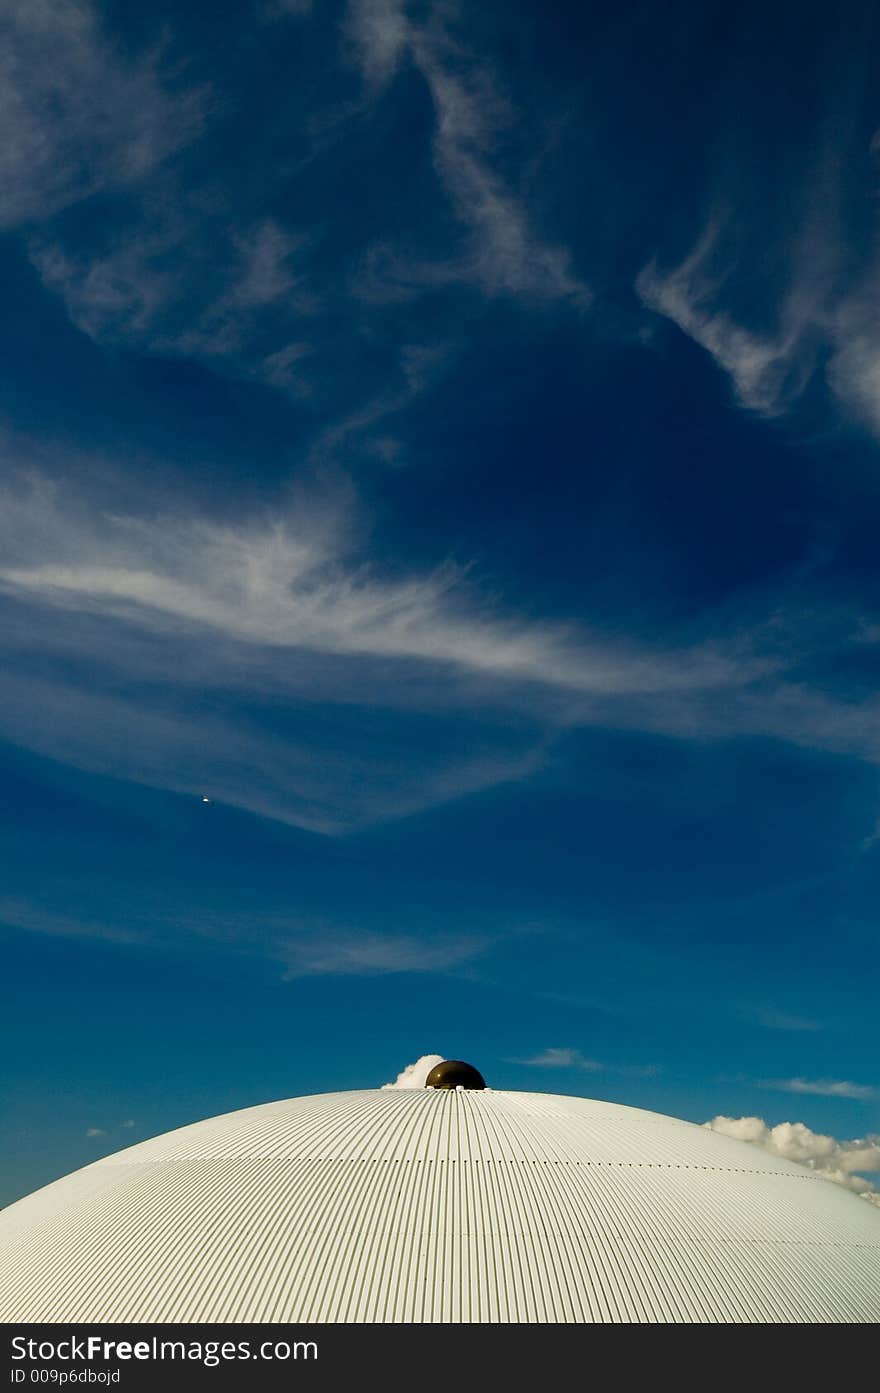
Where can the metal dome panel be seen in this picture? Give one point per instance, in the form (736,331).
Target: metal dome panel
(440,1205)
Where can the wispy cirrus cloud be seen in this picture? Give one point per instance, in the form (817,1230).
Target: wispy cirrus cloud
(188,267)
(77,115)
(768,370)
(854,367)
(418,367)
(139,291)
(156,621)
(295,947)
(324,776)
(503,253)
(298,948)
(379,32)
(561,1057)
(180,268)
(179,619)
(118,294)
(294,580)
(818,316)
(773,1019)
(837,1161)
(822,1088)
(565,1057)
(32,917)
(370,954)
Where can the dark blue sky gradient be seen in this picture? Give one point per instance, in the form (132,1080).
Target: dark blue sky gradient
(446,436)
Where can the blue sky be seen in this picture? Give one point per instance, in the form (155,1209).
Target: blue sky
(445,437)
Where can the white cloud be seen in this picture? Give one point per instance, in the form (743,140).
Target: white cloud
(328,782)
(77,116)
(287,607)
(294,580)
(505,255)
(794,1141)
(95,1132)
(280,369)
(260,276)
(773,1019)
(821,316)
(299,946)
(118,295)
(562,1058)
(768,371)
(265,273)
(419,367)
(138,290)
(32,917)
(368,954)
(822,1088)
(854,368)
(129,1122)
(414,1075)
(181,270)
(379,31)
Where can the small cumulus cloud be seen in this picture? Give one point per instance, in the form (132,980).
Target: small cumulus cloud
(104,1131)
(834,1160)
(414,1075)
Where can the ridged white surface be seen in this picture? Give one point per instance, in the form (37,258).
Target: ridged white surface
(388,1205)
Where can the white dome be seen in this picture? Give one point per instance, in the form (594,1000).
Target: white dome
(439,1205)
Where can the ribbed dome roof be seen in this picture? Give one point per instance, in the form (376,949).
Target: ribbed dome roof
(440,1205)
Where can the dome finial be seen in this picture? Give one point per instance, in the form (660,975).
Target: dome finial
(454,1073)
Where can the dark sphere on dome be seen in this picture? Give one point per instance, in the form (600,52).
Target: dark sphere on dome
(454,1073)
